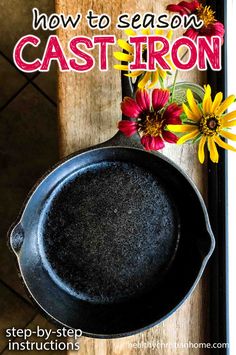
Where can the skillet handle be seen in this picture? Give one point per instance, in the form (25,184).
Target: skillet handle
(16,237)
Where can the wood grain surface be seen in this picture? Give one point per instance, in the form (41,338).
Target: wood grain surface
(88,112)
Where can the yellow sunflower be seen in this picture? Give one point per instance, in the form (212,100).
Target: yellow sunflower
(147,77)
(207,123)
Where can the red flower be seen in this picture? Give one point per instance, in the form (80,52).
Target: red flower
(150,119)
(184,7)
(211,27)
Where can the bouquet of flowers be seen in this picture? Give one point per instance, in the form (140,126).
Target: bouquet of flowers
(155,113)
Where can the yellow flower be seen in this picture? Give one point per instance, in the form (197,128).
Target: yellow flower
(147,77)
(207,123)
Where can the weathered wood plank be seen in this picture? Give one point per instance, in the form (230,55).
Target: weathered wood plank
(88,112)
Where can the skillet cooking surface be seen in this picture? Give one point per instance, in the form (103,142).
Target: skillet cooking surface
(109,232)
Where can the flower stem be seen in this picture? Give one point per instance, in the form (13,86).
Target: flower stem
(173,86)
(161,83)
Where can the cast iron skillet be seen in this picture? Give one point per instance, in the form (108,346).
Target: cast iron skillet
(113,239)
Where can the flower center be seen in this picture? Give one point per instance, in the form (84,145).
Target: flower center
(206,14)
(152,124)
(210,125)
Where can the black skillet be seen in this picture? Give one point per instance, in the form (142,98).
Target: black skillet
(113,239)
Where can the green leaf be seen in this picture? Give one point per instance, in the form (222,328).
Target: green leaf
(200,105)
(161,82)
(183,117)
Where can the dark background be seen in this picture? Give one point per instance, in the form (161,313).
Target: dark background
(28,147)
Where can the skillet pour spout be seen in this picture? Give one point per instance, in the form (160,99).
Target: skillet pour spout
(113,239)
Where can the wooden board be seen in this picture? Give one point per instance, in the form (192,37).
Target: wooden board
(88,111)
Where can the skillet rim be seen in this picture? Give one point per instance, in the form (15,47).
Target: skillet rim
(50,171)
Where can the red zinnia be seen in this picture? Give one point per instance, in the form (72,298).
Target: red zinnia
(211,27)
(150,120)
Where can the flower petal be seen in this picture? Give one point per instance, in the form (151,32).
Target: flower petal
(162,73)
(174,120)
(159,32)
(229,116)
(188,137)
(229,124)
(201,154)
(168,59)
(207,101)
(123,56)
(191,33)
(160,98)
(142,83)
(214,155)
(121,67)
(152,143)
(172,114)
(158,143)
(130,108)
(228,135)
(128,127)
(224,145)
(214,29)
(146,141)
(143,99)
(131,33)
(225,104)
(192,116)
(177,8)
(219,29)
(134,74)
(181,128)
(169,137)
(193,105)
(125,45)
(146,32)
(191,6)
(169,34)
(217,101)
(154,80)
(184,7)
